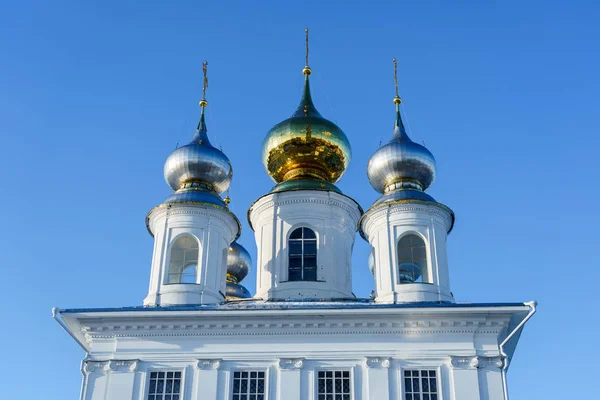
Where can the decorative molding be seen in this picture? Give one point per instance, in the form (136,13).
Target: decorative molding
(221,214)
(464,362)
(476,362)
(382,214)
(269,203)
(291,363)
(378,362)
(95,366)
(490,362)
(209,364)
(241,328)
(122,365)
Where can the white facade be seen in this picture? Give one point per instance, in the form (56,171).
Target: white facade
(332,216)
(291,343)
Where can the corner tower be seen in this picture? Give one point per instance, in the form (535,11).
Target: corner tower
(406,227)
(193,228)
(305,227)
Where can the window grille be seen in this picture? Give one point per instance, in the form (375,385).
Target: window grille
(165,385)
(302,247)
(420,385)
(412,259)
(248,385)
(334,385)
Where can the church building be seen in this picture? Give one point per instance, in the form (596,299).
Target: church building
(304,335)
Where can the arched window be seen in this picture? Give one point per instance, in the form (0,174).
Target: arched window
(183,266)
(302,247)
(412,259)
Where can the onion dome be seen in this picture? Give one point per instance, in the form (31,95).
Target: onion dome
(306,146)
(238,266)
(401,168)
(198,172)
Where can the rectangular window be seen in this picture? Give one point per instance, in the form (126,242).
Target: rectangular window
(334,385)
(248,385)
(420,384)
(165,385)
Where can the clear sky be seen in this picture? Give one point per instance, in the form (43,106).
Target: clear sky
(95,95)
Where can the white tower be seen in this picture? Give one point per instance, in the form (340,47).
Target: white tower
(407,228)
(305,226)
(193,228)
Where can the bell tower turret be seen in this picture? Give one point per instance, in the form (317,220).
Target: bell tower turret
(193,228)
(406,227)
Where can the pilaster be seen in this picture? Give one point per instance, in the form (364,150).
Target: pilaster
(206,383)
(121,379)
(378,378)
(289,386)
(465,378)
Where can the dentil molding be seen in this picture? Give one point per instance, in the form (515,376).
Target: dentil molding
(291,363)
(378,362)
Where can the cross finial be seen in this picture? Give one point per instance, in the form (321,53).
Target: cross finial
(203,102)
(306,71)
(397,99)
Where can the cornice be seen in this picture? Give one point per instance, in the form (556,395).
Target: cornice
(269,203)
(373,214)
(104,331)
(216,212)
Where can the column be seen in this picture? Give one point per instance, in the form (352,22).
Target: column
(95,380)
(289,385)
(465,379)
(378,378)
(121,379)
(206,384)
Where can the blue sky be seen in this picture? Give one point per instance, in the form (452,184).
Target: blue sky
(95,95)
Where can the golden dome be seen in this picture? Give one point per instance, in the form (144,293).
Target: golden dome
(306,145)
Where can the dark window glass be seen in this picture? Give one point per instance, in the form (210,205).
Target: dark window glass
(164,386)
(302,250)
(334,385)
(420,385)
(412,259)
(248,385)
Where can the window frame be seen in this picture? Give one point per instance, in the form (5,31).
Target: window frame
(303,255)
(149,372)
(334,369)
(438,378)
(168,269)
(427,270)
(232,372)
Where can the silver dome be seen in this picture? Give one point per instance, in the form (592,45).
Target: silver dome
(238,263)
(234,291)
(401,163)
(198,161)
